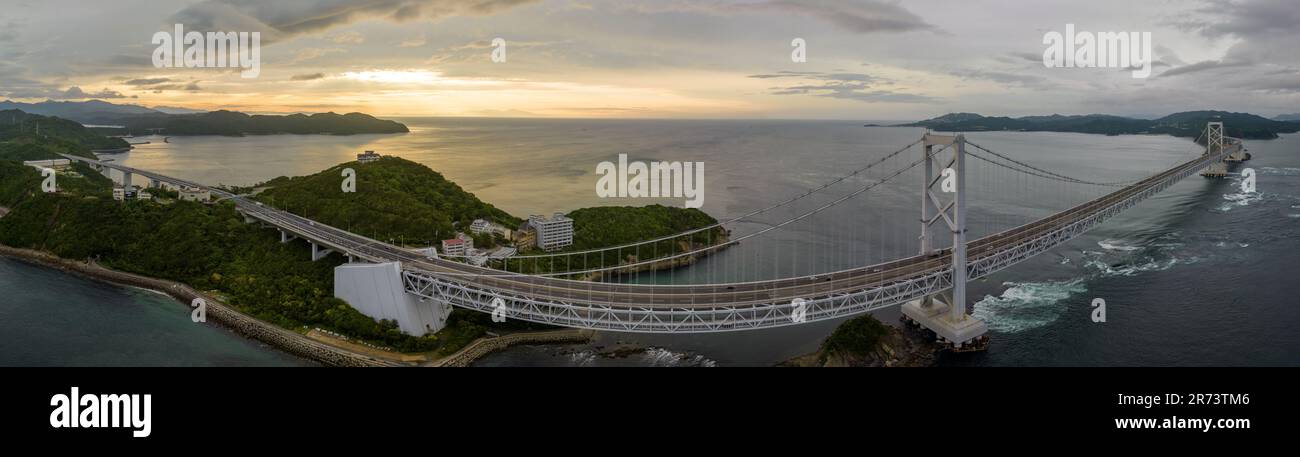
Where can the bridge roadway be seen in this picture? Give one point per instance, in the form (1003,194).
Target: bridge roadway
(678,297)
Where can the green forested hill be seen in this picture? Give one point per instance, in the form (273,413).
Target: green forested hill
(395,199)
(26,136)
(208,247)
(604,226)
(234,123)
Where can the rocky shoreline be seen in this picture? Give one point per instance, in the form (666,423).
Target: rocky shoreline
(487,345)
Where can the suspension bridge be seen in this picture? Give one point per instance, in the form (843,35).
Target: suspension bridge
(930,284)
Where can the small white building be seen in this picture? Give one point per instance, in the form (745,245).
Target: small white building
(143,195)
(194,194)
(367,157)
(480,226)
(554,233)
(457,247)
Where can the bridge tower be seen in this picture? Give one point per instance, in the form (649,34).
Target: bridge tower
(1214,145)
(945,314)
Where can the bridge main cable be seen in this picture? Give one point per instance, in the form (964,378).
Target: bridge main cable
(1036,171)
(726,222)
(798,218)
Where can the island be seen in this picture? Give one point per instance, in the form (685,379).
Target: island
(1188,124)
(864,341)
(122,119)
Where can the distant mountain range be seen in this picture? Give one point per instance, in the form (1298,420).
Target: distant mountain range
(87,112)
(1186,124)
(1287,117)
(140,120)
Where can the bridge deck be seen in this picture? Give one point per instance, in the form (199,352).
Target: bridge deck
(705,307)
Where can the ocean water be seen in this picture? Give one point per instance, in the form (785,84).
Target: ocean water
(1198,275)
(52,318)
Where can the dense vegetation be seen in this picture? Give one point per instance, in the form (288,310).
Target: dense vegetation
(606,226)
(1187,124)
(395,199)
(26,136)
(208,247)
(856,337)
(234,123)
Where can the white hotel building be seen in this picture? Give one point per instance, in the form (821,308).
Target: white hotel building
(554,233)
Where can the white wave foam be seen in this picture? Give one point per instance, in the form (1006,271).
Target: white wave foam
(582,358)
(1116,245)
(1240,199)
(1150,264)
(1279,171)
(660,357)
(1026,305)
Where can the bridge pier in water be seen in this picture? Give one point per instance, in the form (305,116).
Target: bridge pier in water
(946,313)
(1215,143)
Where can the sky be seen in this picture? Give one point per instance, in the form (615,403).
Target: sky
(865,59)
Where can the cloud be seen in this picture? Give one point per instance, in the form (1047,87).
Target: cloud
(820,76)
(840,85)
(414,42)
(478,49)
(866,16)
(306,54)
(350,37)
(192,86)
(1202,66)
(282,20)
(1003,77)
(1244,19)
(75,93)
(858,16)
(307,77)
(146,81)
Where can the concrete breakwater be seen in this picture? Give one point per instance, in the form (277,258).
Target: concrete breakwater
(217,311)
(485,346)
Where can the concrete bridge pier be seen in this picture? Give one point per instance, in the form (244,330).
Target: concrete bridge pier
(936,313)
(285,237)
(318,252)
(377,290)
(126,180)
(1216,170)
